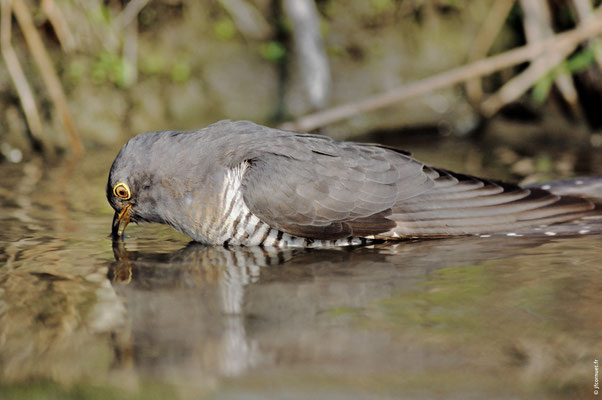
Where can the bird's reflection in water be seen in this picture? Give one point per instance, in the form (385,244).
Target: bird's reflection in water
(191,302)
(221,310)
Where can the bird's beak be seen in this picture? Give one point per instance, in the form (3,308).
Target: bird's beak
(124,216)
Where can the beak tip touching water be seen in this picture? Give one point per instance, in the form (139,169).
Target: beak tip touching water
(115,227)
(124,216)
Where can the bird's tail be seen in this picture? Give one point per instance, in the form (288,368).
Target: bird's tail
(464,205)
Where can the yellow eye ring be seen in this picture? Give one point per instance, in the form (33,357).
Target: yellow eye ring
(122,191)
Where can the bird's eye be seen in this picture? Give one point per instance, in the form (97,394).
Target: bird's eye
(122,191)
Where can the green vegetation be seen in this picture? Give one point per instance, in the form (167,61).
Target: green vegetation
(48,390)
(185,64)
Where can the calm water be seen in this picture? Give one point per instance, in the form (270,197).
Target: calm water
(158,317)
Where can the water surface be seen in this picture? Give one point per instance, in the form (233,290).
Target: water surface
(158,317)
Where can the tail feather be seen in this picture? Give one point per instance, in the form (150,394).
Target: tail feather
(472,208)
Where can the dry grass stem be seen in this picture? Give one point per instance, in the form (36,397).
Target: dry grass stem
(584,11)
(485,38)
(49,76)
(537,23)
(129,13)
(585,31)
(518,85)
(248,20)
(60,25)
(130,51)
(311,55)
(17,75)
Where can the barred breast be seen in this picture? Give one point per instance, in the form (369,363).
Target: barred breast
(226,220)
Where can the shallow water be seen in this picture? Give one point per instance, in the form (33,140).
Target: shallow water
(157,317)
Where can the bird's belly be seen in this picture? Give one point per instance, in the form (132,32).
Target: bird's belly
(241,227)
(236,225)
(225,219)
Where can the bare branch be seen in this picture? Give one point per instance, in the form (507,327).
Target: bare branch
(130,52)
(485,38)
(585,11)
(518,85)
(538,26)
(61,28)
(51,80)
(20,81)
(589,29)
(248,19)
(311,56)
(130,12)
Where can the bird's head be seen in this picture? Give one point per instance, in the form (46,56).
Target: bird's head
(167,176)
(151,177)
(131,188)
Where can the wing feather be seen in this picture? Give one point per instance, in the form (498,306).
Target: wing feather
(315,187)
(331,193)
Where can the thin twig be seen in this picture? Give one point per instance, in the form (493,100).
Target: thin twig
(518,85)
(130,12)
(309,47)
(130,52)
(20,81)
(538,27)
(51,80)
(484,40)
(61,27)
(248,19)
(584,11)
(486,66)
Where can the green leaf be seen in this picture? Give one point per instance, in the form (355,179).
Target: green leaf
(542,88)
(580,61)
(180,72)
(272,51)
(224,29)
(543,163)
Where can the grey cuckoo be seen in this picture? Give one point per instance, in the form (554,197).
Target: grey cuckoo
(238,183)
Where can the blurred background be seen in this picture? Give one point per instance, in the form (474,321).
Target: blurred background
(78,75)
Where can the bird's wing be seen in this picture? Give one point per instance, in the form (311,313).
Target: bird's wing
(311,186)
(387,195)
(328,190)
(461,204)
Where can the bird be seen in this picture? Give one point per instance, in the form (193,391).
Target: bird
(237,183)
